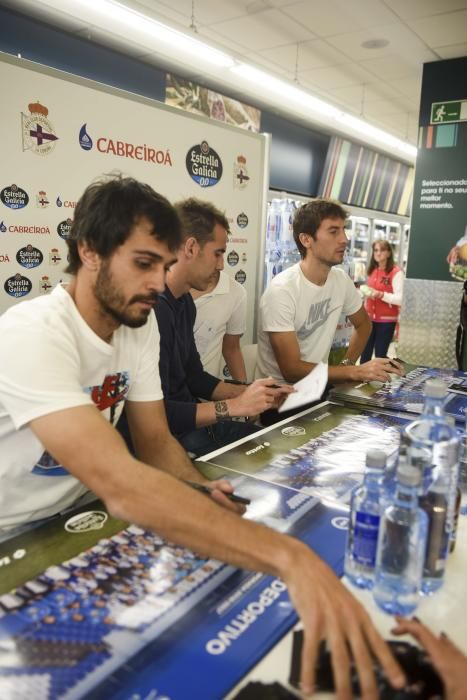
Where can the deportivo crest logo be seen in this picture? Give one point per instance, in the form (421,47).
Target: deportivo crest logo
(14,197)
(293,431)
(42,200)
(44,285)
(204,165)
(54,257)
(38,132)
(85,522)
(240,173)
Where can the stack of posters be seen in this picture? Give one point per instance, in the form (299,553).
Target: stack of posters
(406,394)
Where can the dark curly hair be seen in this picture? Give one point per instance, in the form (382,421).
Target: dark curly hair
(108,210)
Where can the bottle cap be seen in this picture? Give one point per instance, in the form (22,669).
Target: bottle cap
(410,476)
(435,389)
(376,459)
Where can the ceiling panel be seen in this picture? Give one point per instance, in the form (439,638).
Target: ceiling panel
(263,30)
(452,51)
(399,37)
(442,30)
(393,67)
(338,76)
(311,54)
(414,9)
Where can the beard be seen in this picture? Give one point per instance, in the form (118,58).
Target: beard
(113,303)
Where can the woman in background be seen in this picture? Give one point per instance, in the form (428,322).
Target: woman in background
(384,297)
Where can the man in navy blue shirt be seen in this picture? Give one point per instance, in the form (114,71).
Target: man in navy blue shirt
(201,426)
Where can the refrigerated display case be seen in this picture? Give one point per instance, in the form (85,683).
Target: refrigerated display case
(363,227)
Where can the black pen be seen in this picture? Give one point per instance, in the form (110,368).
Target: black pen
(207,490)
(393,361)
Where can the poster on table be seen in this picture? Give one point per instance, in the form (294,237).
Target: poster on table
(320,454)
(407,393)
(61,132)
(91,607)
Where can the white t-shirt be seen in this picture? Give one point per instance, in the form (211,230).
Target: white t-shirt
(50,360)
(221,311)
(293,303)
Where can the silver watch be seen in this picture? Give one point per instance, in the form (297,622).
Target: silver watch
(347,362)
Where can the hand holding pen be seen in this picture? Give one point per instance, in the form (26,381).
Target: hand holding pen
(221,491)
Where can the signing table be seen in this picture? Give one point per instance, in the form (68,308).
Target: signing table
(96,608)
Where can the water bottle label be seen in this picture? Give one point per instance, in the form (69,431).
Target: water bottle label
(446,453)
(365,538)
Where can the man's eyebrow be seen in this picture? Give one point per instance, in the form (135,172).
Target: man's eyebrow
(149,253)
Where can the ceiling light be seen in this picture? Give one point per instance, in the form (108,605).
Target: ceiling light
(367,129)
(130,19)
(288,92)
(284,90)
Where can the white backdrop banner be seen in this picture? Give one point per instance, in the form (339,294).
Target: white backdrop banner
(60,132)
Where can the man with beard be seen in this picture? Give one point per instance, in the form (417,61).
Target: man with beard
(66,356)
(201,426)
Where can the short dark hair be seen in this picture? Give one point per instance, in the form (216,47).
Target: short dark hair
(309,216)
(199,219)
(108,210)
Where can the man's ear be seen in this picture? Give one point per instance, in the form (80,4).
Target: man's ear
(191,247)
(305,239)
(89,258)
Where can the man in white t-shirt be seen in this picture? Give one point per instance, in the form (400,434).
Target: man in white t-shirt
(67,364)
(220,323)
(300,309)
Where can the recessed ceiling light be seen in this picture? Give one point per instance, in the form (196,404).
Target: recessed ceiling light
(374,44)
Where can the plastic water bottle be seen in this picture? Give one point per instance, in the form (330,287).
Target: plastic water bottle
(388,485)
(401,546)
(462,478)
(362,535)
(433,447)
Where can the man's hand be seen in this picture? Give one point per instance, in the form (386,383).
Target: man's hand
(448,660)
(377,370)
(329,611)
(258,397)
(219,489)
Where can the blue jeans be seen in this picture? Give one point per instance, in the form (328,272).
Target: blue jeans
(203,440)
(379,340)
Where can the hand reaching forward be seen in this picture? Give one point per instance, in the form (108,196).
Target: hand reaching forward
(329,611)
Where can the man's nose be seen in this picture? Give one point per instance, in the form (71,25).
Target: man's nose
(220,263)
(157,281)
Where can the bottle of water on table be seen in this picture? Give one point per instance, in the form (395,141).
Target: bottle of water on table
(433,446)
(401,546)
(362,535)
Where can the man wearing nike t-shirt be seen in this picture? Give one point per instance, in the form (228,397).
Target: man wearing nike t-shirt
(300,309)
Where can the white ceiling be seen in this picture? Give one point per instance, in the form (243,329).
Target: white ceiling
(317,43)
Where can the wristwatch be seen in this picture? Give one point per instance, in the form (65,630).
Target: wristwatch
(347,362)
